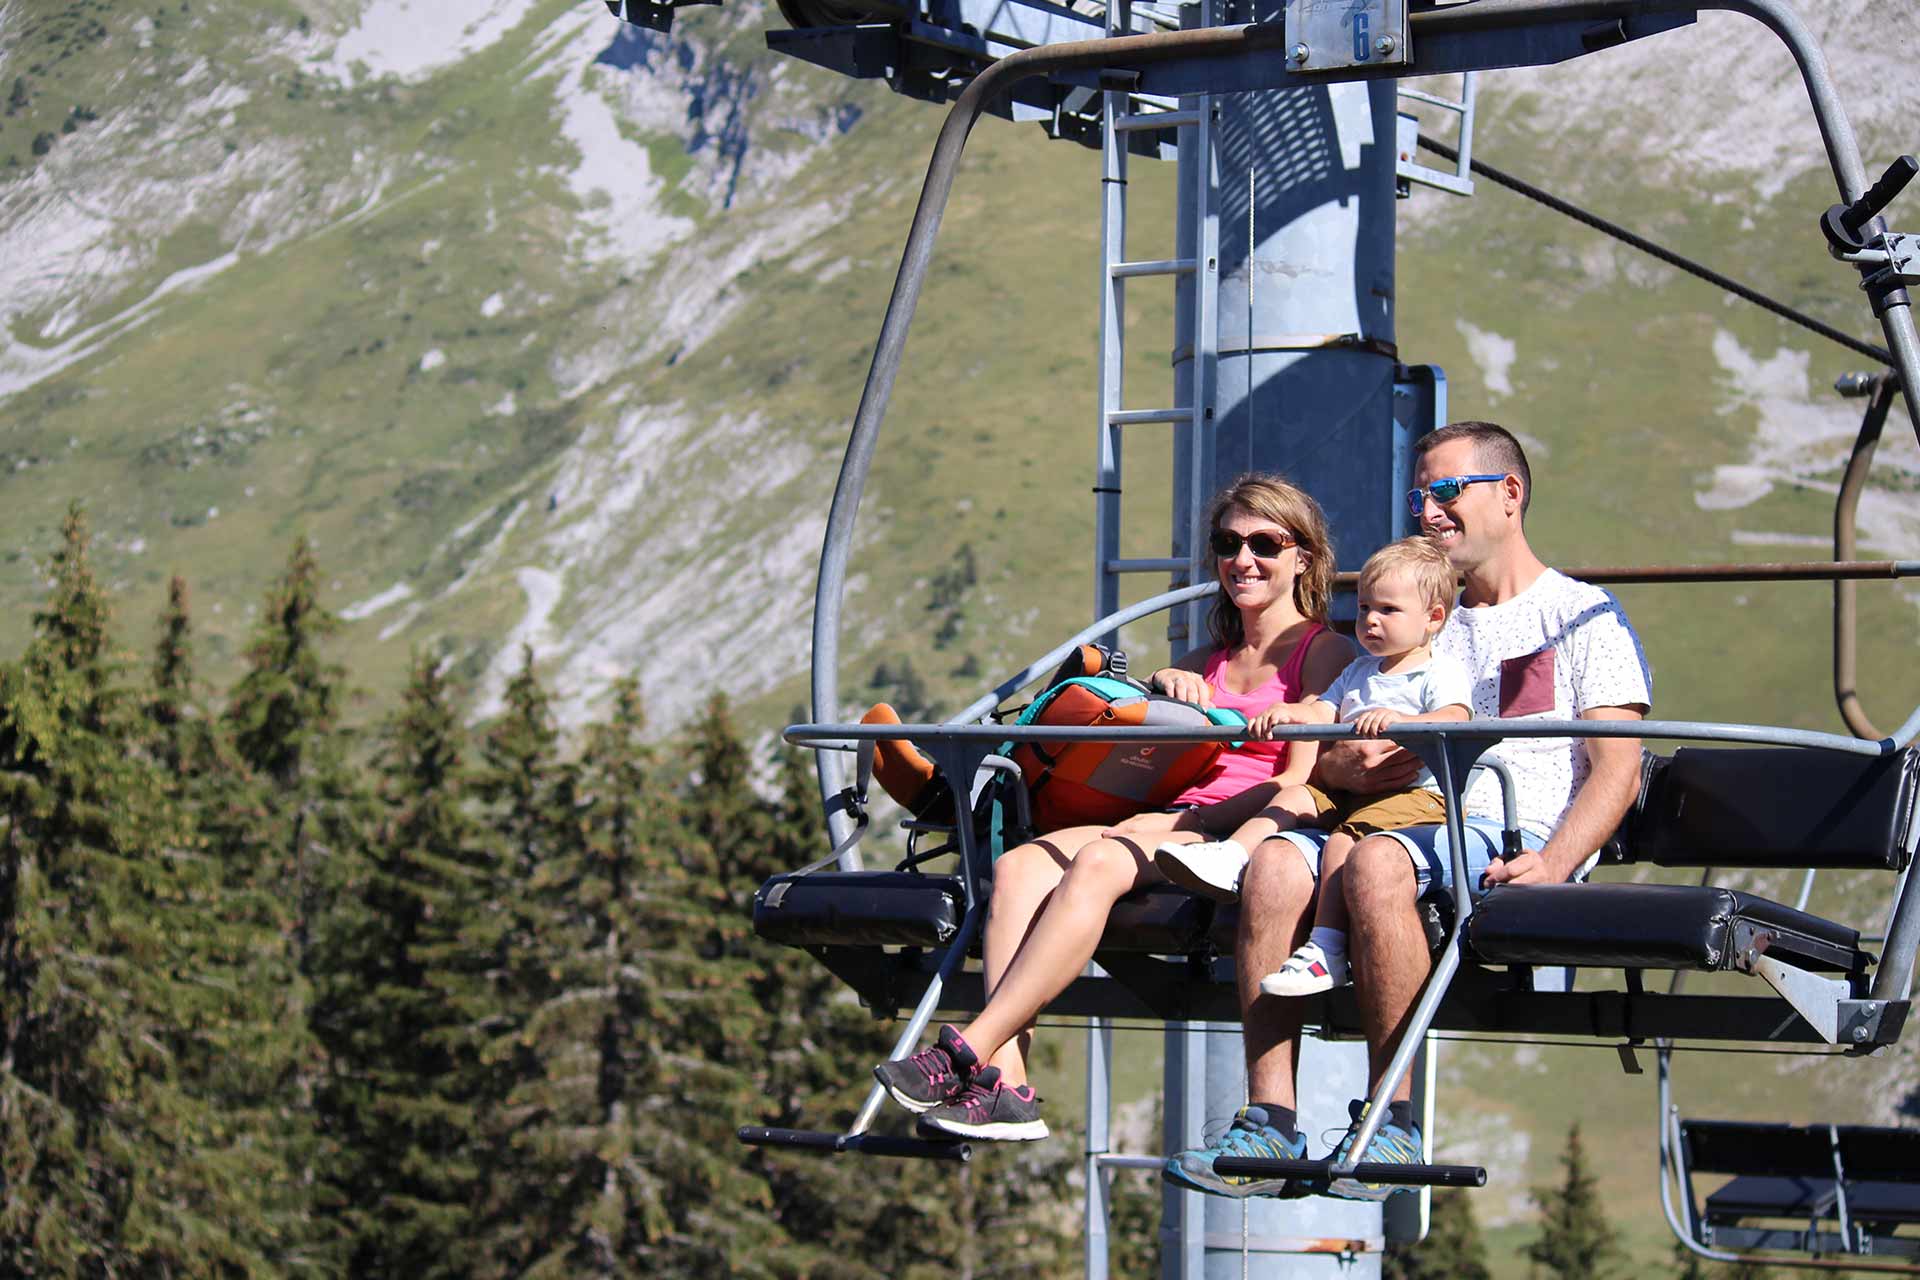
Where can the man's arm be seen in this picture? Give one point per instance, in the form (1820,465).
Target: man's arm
(1613,780)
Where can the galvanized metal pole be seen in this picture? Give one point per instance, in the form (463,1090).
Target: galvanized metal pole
(1303,198)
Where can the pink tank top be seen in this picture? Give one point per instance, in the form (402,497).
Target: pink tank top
(1251,763)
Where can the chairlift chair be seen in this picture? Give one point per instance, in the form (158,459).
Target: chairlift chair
(901,937)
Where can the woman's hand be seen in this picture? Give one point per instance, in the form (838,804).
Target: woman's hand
(1188,686)
(1375,722)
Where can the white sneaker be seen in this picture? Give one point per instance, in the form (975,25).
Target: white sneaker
(1212,869)
(1307,972)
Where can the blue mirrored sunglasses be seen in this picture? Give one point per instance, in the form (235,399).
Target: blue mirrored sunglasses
(1444,491)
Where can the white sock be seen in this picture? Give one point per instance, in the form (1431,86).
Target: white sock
(1332,942)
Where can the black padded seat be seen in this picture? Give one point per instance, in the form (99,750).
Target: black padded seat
(1888,1202)
(1160,919)
(1787,1170)
(1755,1147)
(859,909)
(1876,1153)
(1750,1196)
(1771,807)
(1648,926)
(1759,1196)
(906,909)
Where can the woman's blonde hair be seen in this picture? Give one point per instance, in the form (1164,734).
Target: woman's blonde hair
(1272,497)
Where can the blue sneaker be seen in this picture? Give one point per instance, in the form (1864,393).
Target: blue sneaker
(1248,1135)
(1392,1145)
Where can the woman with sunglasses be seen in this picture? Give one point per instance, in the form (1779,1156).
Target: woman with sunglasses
(1052,896)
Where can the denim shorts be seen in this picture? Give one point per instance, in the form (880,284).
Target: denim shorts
(1429,849)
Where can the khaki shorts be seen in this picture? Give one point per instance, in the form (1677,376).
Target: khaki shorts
(1361,816)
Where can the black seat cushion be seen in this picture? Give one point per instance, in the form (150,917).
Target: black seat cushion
(1776,1151)
(1760,1196)
(1160,919)
(1893,1202)
(1877,1153)
(1647,926)
(1773,807)
(859,909)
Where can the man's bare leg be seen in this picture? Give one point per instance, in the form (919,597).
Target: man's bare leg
(1388,948)
(1276,898)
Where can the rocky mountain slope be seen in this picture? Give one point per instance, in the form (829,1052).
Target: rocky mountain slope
(547,331)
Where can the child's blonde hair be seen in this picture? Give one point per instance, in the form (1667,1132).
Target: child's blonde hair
(1424,563)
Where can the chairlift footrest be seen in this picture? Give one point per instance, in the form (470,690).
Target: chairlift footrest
(1403,1175)
(865,1144)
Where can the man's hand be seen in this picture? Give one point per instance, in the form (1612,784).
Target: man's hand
(1366,766)
(1188,686)
(1522,868)
(1375,722)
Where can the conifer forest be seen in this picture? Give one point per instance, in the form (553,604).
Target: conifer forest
(291,985)
(295,986)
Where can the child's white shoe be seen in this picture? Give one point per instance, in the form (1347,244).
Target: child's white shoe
(1308,971)
(1211,869)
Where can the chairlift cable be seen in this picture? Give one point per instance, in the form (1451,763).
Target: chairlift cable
(1668,256)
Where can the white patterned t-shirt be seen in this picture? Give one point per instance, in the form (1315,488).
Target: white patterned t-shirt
(1555,650)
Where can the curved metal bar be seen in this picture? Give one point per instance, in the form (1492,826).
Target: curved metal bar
(1843,154)
(1046,662)
(837,548)
(1675,730)
(1846,593)
(1668,1123)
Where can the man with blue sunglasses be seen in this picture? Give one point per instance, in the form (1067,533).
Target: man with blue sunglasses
(1536,643)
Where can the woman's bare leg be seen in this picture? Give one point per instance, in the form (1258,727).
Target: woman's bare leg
(1024,880)
(1051,952)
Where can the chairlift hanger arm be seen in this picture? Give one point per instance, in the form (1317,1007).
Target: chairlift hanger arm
(1526,24)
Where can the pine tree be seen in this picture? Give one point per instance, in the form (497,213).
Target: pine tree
(403,1001)
(1453,1249)
(259,1074)
(527,800)
(287,702)
(107,1150)
(1575,1241)
(283,717)
(172,708)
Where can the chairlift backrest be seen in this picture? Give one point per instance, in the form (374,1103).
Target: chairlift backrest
(1772,808)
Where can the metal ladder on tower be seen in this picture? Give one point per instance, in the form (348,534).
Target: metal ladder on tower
(1196,256)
